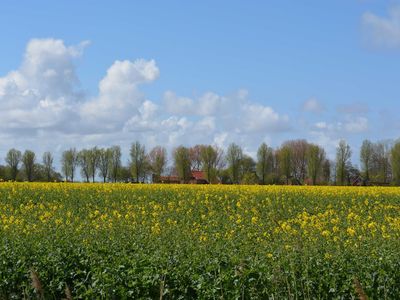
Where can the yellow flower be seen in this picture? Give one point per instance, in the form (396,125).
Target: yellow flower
(351,231)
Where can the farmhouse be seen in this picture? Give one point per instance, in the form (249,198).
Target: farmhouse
(197,177)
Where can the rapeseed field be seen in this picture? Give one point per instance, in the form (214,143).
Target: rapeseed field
(124,241)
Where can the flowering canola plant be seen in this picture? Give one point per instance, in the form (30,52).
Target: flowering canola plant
(190,241)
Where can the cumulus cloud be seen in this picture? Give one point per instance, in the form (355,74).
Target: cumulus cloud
(44,91)
(383,32)
(144,120)
(119,96)
(207,104)
(235,112)
(44,107)
(178,105)
(258,117)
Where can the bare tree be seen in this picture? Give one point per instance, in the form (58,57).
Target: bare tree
(343,154)
(298,149)
(195,157)
(48,164)
(158,160)
(182,163)
(13,159)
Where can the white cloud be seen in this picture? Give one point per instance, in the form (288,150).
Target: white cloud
(178,105)
(44,91)
(233,113)
(257,118)
(42,105)
(356,125)
(206,124)
(144,120)
(119,97)
(206,105)
(312,105)
(383,32)
(321,125)
(210,104)
(349,125)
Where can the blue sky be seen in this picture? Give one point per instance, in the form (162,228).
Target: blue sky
(183,72)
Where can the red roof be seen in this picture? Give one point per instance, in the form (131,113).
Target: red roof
(198,175)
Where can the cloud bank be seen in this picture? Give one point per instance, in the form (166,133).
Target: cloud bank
(43,106)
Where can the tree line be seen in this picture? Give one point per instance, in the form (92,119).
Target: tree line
(294,162)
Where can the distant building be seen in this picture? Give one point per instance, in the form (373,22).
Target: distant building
(197,177)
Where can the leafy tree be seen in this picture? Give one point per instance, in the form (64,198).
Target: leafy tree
(28,162)
(139,161)
(381,167)
(234,156)
(248,168)
(94,158)
(315,160)
(395,157)
(105,162)
(326,171)
(48,164)
(158,160)
(366,158)
(211,157)
(13,159)
(264,162)
(343,154)
(285,162)
(182,163)
(249,178)
(42,175)
(84,159)
(69,162)
(115,167)
(125,174)
(3,173)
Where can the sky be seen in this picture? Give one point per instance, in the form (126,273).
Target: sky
(87,73)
